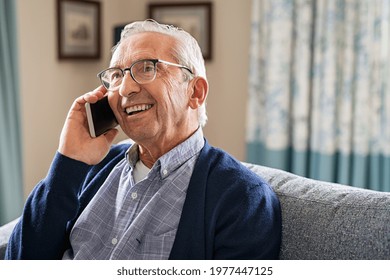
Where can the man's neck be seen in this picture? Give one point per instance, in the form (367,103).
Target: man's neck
(150,156)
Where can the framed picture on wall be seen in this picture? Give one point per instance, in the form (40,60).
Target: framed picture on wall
(195,18)
(78,23)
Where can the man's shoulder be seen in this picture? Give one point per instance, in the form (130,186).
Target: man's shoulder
(223,166)
(226,180)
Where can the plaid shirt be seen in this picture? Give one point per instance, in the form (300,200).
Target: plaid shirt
(137,221)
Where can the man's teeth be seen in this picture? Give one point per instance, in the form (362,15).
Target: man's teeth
(137,109)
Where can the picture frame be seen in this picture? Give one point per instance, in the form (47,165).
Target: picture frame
(79,28)
(195,18)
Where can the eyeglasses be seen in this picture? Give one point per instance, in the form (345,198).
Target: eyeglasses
(142,71)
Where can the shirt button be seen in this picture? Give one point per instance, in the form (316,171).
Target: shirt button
(134,195)
(114,241)
(165,172)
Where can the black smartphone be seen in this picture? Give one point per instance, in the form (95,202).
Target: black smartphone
(100,117)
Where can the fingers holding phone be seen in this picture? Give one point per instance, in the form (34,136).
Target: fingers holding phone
(76,141)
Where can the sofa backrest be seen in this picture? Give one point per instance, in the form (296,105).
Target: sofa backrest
(329,221)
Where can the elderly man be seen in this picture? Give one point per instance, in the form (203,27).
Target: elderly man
(168,196)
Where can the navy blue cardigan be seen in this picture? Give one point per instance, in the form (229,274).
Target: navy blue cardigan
(229,212)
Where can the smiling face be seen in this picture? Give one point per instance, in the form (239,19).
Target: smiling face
(161,114)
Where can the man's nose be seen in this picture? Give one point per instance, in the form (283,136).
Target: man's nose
(128,86)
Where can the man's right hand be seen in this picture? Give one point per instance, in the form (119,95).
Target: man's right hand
(75,140)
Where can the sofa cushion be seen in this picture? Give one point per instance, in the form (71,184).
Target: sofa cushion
(329,221)
(5,232)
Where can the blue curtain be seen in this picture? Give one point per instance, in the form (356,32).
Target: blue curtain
(319,93)
(11,187)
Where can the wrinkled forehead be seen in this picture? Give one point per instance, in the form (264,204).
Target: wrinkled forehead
(143,45)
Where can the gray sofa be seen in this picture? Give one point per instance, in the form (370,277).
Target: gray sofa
(320,220)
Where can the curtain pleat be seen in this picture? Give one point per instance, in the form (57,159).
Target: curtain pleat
(11,186)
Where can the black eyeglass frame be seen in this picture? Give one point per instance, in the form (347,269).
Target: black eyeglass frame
(154,61)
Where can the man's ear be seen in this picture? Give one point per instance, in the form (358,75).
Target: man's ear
(199,89)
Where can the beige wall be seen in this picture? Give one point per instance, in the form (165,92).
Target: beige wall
(49,86)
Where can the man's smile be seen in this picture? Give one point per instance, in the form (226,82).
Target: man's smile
(137,109)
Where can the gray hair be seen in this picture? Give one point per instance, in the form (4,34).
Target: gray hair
(187,51)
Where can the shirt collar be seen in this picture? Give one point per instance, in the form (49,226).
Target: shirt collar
(173,159)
